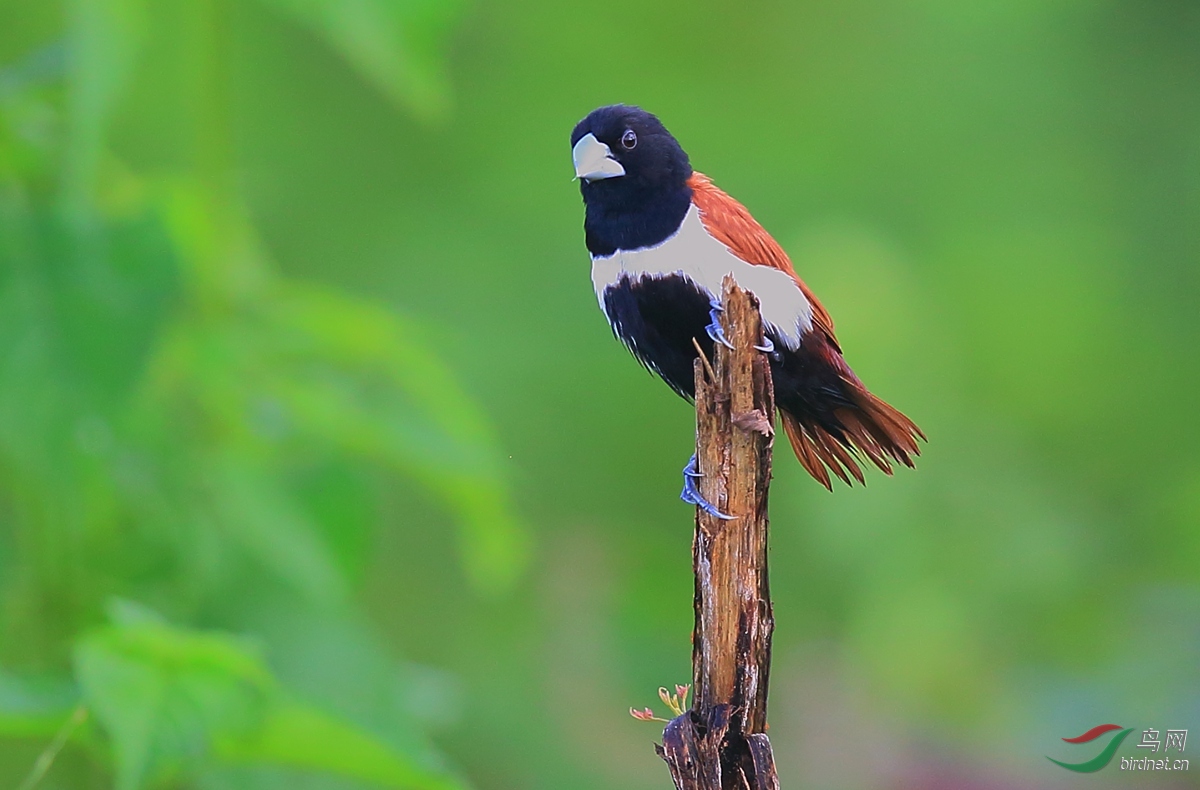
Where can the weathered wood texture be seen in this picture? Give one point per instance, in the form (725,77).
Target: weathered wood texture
(721,744)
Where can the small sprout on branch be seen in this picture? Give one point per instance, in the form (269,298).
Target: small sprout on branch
(644,715)
(677,701)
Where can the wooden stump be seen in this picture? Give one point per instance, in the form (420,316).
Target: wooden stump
(721,743)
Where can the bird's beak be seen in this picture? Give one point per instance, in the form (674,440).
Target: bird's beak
(594,160)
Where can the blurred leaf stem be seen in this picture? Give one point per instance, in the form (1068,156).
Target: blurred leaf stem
(44,760)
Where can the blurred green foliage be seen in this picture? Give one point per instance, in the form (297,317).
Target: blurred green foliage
(295,320)
(179,420)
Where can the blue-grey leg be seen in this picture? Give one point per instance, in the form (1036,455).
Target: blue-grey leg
(691,494)
(714,329)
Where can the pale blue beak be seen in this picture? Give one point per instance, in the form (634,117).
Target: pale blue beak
(594,160)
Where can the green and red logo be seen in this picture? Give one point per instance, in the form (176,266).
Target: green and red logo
(1106,754)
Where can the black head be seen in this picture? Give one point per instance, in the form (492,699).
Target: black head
(633,176)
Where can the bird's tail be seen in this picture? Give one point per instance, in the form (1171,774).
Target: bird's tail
(865,426)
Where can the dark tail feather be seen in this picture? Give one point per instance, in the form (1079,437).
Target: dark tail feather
(868,427)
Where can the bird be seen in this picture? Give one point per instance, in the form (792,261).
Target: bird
(662,237)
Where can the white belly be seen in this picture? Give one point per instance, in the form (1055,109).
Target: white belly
(693,253)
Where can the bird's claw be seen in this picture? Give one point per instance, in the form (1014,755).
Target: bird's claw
(691,494)
(714,330)
(767,346)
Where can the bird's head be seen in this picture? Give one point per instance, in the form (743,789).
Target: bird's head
(626,151)
(633,176)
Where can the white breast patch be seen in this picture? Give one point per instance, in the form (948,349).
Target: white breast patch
(695,254)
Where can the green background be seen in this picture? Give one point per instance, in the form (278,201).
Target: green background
(320,468)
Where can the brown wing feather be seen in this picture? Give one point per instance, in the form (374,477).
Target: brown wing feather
(869,426)
(730,223)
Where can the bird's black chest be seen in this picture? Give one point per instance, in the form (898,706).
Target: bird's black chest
(658,317)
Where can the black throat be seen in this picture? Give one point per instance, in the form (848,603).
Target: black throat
(630,216)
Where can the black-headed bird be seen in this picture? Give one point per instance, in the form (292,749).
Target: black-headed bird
(662,238)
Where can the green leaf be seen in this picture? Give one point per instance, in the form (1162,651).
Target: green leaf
(364,380)
(396,44)
(162,694)
(297,736)
(305,368)
(173,700)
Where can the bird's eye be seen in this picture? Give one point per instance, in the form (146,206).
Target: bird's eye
(629,140)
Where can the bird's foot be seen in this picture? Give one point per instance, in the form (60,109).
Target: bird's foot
(691,494)
(767,346)
(714,329)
